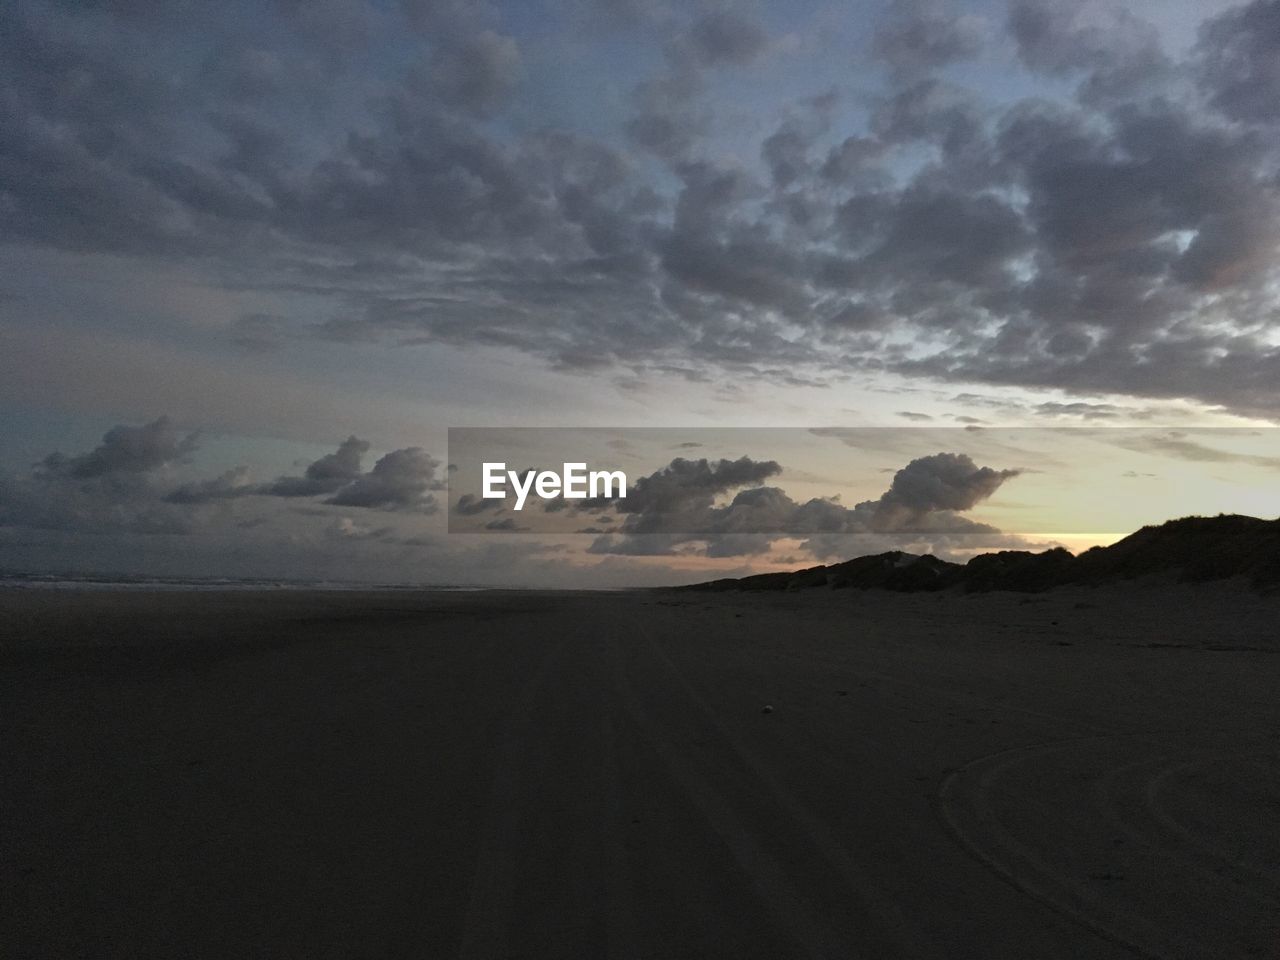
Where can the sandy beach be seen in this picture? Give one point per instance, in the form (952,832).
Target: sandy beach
(1086,773)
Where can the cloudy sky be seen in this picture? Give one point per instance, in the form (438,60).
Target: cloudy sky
(257,257)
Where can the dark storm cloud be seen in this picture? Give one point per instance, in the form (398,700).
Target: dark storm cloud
(669,134)
(476,74)
(943,483)
(786,154)
(1240,61)
(856,162)
(401,480)
(124,449)
(933,111)
(687,487)
(398,481)
(727,36)
(938,237)
(920,35)
(1119,56)
(383,159)
(325,475)
(426,178)
(113,488)
(667,119)
(125,485)
(677,506)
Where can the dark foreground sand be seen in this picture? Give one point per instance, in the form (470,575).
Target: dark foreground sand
(1087,774)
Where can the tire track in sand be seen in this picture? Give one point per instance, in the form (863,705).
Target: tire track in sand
(493,887)
(865,915)
(1030,815)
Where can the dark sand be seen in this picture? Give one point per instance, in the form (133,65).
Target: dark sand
(1084,774)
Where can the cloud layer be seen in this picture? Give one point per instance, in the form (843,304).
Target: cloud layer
(1104,219)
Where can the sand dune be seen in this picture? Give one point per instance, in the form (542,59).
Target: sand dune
(1187,550)
(1086,773)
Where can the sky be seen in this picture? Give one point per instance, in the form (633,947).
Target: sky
(257,258)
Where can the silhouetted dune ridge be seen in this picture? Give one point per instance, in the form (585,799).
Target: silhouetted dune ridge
(1195,549)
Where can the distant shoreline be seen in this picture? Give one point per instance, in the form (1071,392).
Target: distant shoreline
(37,581)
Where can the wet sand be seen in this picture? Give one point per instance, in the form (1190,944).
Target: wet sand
(1091,773)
